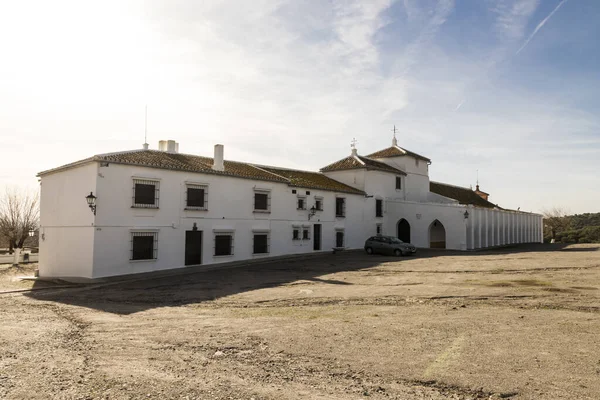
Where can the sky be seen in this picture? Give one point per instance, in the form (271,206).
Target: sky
(508,90)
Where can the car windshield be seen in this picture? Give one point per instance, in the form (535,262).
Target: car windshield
(395,240)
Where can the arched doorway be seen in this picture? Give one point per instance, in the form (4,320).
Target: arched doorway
(404,230)
(437,235)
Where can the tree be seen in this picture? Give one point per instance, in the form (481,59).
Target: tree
(556,220)
(19,215)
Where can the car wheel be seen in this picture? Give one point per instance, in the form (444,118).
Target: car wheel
(369,250)
(397,252)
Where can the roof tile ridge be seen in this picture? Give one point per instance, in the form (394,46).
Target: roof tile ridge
(357,158)
(400,148)
(269,172)
(449,184)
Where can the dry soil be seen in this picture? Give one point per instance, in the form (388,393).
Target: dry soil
(516,323)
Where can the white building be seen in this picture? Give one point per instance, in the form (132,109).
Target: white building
(161,209)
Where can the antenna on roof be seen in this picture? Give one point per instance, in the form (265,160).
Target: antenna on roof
(146,129)
(394,140)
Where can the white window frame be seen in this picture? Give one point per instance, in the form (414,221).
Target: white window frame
(261,191)
(146,181)
(144,232)
(195,185)
(303,198)
(343,215)
(319,198)
(262,232)
(224,232)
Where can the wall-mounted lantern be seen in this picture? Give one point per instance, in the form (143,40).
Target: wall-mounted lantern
(312,212)
(91,200)
(466,214)
(31,233)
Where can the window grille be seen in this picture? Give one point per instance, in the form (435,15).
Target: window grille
(305,234)
(296,234)
(301,203)
(262,201)
(398,183)
(319,203)
(340,207)
(144,245)
(379,208)
(223,244)
(196,197)
(260,243)
(145,193)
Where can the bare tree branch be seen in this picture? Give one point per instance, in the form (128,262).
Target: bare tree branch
(19,214)
(556,219)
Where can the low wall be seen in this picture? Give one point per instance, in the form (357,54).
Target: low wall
(8,258)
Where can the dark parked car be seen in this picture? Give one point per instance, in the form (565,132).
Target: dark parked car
(388,245)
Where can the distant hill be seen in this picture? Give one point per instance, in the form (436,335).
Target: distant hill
(582,228)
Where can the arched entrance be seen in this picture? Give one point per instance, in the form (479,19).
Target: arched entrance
(437,235)
(404,230)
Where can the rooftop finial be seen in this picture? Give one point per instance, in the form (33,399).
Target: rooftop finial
(146,129)
(477,186)
(353,146)
(394,140)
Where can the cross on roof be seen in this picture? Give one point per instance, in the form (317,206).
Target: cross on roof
(353,143)
(394,130)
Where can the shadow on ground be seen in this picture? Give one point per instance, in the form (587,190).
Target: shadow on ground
(134,296)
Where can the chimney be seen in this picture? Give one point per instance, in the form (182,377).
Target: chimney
(145,146)
(169,146)
(218,164)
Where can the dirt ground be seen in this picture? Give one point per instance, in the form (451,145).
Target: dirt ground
(518,323)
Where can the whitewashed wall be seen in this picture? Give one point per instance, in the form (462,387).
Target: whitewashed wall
(66,223)
(230,207)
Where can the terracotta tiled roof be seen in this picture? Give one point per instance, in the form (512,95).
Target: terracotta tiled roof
(193,163)
(396,151)
(311,180)
(463,195)
(358,162)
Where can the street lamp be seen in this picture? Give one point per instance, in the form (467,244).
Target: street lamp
(91,200)
(312,212)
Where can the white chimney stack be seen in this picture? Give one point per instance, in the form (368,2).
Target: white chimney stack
(218,163)
(169,146)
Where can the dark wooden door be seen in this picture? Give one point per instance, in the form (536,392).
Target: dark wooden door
(193,247)
(404,230)
(317,237)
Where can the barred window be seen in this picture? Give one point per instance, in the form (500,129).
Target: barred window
(196,197)
(379,229)
(260,243)
(223,244)
(296,234)
(379,208)
(145,193)
(319,203)
(305,234)
(144,245)
(340,207)
(398,183)
(301,203)
(262,201)
(339,239)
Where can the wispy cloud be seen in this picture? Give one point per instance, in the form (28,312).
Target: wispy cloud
(539,26)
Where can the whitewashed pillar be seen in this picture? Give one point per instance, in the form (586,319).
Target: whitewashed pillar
(472,230)
(493,226)
(479,223)
(487,229)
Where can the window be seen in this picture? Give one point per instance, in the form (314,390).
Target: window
(262,201)
(223,244)
(296,234)
(319,203)
(144,245)
(196,197)
(305,234)
(379,208)
(145,193)
(260,243)
(379,229)
(340,207)
(301,203)
(398,183)
(339,239)
(416,162)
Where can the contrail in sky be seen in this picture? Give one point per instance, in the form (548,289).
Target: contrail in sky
(539,26)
